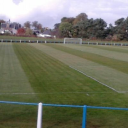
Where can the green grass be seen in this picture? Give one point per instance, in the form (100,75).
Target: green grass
(89,63)
(53,81)
(123,49)
(103,60)
(109,53)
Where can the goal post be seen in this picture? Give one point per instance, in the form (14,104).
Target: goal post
(72,41)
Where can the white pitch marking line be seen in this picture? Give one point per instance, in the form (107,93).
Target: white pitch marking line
(98,81)
(87,93)
(18,93)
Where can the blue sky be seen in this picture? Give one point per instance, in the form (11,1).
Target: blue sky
(49,12)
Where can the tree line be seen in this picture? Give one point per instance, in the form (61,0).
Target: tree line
(26,29)
(83,27)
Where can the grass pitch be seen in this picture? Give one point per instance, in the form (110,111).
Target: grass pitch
(44,68)
(78,60)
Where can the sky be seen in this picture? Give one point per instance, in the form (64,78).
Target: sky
(50,12)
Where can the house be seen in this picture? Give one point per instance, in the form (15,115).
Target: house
(1,32)
(47,33)
(9,27)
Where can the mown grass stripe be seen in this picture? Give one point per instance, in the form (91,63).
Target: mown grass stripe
(42,65)
(94,79)
(109,62)
(13,86)
(111,48)
(12,75)
(56,83)
(111,77)
(50,74)
(105,53)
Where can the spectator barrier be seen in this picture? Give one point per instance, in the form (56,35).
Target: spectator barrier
(40,109)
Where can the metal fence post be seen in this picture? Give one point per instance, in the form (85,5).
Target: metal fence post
(39,116)
(84,116)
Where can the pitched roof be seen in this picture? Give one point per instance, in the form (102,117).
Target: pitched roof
(47,32)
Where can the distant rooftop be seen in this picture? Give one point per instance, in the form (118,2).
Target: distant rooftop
(48,31)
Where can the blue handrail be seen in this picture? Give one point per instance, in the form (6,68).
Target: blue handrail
(85,107)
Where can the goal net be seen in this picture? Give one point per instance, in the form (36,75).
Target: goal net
(72,40)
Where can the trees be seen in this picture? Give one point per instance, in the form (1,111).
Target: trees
(21,31)
(56,26)
(80,17)
(69,20)
(99,28)
(126,28)
(39,26)
(35,24)
(68,26)
(119,21)
(121,28)
(65,29)
(56,30)
(28,32)
(80,29)
(27,24)
(90,28)
(83,27)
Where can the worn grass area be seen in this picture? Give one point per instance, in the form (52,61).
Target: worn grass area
(53,81)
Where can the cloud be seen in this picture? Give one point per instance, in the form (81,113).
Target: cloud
(17,1)
(4,17)
(49,12)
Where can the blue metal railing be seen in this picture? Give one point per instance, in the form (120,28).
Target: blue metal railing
(85,107)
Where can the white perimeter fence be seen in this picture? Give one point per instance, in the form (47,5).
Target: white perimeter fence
(55,41)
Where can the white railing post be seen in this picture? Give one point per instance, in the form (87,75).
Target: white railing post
(39,116)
